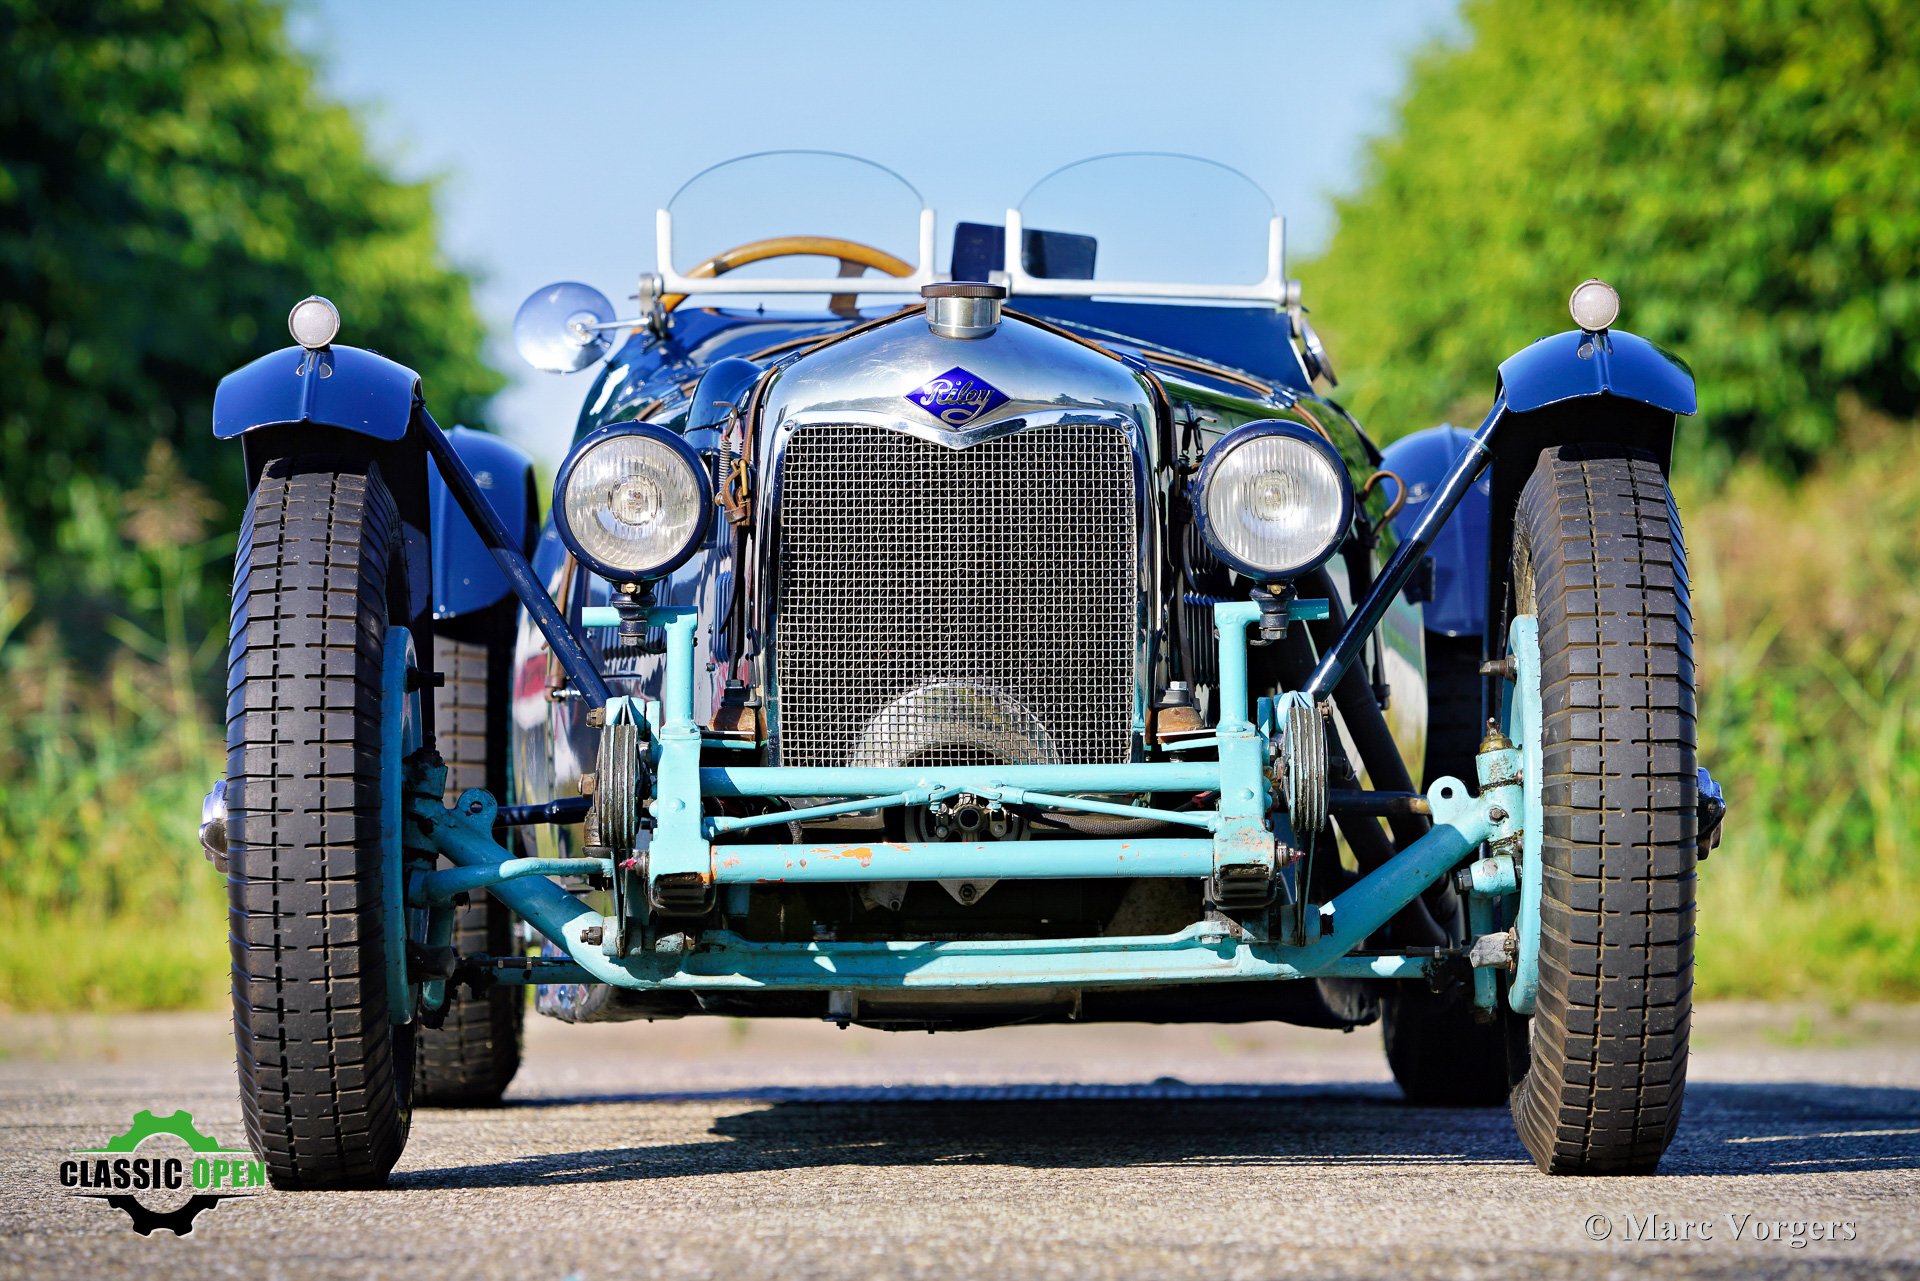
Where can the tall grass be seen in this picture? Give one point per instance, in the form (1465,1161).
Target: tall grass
(105,901)
(1808,636)
(1807,615)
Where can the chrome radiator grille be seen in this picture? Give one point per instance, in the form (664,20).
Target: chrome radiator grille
(940,606)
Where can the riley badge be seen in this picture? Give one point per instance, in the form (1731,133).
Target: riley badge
(957,397)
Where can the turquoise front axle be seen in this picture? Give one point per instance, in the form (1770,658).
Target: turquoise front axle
(1242,833)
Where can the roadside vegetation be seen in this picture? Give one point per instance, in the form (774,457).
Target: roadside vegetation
(1743,172)
(105,900)
(170,180)
(1807,623)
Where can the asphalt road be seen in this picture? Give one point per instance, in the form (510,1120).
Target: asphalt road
(713,1149)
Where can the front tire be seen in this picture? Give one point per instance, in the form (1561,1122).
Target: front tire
(325,1074)
(1598,559)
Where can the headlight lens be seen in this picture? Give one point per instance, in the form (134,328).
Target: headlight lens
(634,503)
(1275,499)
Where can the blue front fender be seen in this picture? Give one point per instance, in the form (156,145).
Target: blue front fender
(343,387)
(1573,365)
(353,390)
(1553,371)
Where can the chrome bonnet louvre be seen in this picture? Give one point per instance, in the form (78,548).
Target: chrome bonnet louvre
(942,606)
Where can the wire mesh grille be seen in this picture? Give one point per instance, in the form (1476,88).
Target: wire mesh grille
(957,607)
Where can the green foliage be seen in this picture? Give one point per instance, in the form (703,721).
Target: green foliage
(1808,643)
(1742,170)
(171,182)
(105,901)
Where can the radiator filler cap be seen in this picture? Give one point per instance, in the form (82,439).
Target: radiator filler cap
(963,308)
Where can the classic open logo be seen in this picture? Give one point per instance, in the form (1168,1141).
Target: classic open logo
(163,1172)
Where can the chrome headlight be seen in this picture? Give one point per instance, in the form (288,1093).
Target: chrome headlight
(632,502)
(1275,499)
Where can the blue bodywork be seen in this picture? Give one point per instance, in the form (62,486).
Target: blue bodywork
(1257,340)
(719,343)
(722,389)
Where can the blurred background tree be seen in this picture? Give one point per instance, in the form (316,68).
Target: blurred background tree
(1746,172)
(171,182)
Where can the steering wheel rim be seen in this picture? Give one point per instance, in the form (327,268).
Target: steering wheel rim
(851,253)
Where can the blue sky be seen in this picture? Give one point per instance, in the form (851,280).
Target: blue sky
(558,128)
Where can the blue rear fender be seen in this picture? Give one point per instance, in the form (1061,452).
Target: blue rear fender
(466,578)
(1457,604)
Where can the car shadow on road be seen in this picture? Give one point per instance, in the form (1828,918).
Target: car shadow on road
(1775,1128)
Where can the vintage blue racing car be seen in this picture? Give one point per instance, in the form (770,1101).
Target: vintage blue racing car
(1033,640)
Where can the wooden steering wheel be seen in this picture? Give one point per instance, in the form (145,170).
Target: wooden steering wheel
(854,258)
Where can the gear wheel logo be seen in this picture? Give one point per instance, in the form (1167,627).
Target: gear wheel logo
(161,1186)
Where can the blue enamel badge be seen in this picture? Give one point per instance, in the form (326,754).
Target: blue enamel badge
(957,397)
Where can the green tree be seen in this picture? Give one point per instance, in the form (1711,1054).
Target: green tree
(171,181)
(1746,172)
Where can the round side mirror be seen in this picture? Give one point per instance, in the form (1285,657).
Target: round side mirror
(1319,364)
(554,328)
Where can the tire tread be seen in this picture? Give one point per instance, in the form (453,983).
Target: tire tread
(322,1095)
(1610,1029)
